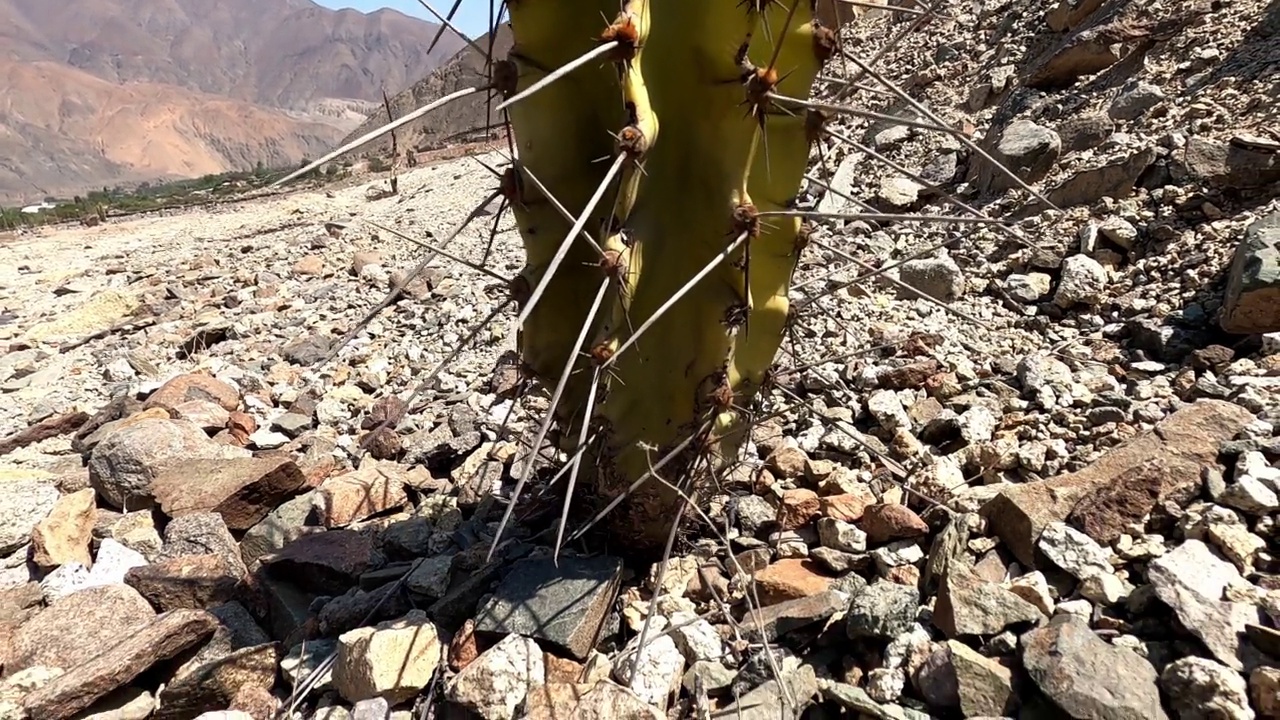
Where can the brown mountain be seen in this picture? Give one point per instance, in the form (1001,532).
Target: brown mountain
(100,92)
(459,118)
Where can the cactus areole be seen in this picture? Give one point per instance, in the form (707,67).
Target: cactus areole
(666,150)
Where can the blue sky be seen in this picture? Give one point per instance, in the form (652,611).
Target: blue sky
(472,17)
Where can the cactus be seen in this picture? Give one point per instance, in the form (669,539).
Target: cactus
(658,151)
(676,153)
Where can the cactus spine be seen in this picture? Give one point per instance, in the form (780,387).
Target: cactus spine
(669,151)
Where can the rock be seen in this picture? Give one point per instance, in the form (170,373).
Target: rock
(23,504)
(1201,689)
(563,605)
(603,701)
(898,193)
(281,526)
(882,610)
(798,508)
(1028,150)
(967,605)
(1073,551)
(200,534)
(887,522)
(242,490)
(371,709)
(1250,496)
(1115,179)
(1134,101)
(328,562)
(1175,451)
(101,311)
(127,703)
(186,581)
(124,658)
(430,577)
(1264,689)
(842,536)
(309,265)
(777,620)
(1028,288)
(848,507)
(307,350)
(375,488)
(1252,300)
(1082,53)
(772,699)
(236,661)
(194,386)
(64,535)
(787,461)
(1191,580)
(1104,589)
(304,659)
(1083,281)
(393,660)
(124,464)
(1230,165)
(136,531)
(92,618)
(1087,677)
(109,568)
(497,682)
(937,277)
(1085,131)
(983,685)
(790,579)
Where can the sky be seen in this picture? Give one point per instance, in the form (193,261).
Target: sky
(472,18)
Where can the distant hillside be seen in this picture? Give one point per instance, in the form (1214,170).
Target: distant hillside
(101,92)
(466,69)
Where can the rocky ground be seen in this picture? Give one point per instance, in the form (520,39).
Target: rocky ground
(1048,489)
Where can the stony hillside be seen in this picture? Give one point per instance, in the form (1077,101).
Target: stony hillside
(112,91)
(1034,473)
(462,119)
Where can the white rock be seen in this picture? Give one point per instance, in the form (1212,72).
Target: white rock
(497,682)
(1201,689)
(1073,551)
(696,638)
(394,659)
(842,536)
(1105,588)
(1083,281)
(658,671)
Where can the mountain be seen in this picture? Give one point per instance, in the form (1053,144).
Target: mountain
(466,69)
(100,92)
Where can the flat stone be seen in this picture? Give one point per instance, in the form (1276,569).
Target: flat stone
(790,579)
(562,605)
(1191,580)
(124,659)
(887,522)
(1253,281)
(1073,551)
(242,490)
(328,562)
(777,620)
(498,681)
(186,581)
(59,635)
(1087,677)
(375,488)
(1183,442)
(967,605)
(64,535)
(768,701)
(239,657)
(394,660)
(201,534)
(127,703)
(1114,179)
(286,523)
(123,466)
(194,386)
(984,686)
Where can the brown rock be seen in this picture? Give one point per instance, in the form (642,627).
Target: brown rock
(912,375)
(1264,691)
(17,605)
(216,676)
(968,605)
(1113,180)
(1083,53)
(194,386)
(571,701)
(241,490)
(309,265)
(64,535)
(1104,514)
(849,507)
(984,685)
(1178,447)
(328,562)
(885,522)
(186,581)
(375,488)
(256,701)
(1067,14)
(126,656)
(797,508)
(464,648)
(790,579)
(787,461)
(560,669)
(241,426)
(65,633)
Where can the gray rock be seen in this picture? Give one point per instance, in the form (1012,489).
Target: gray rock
(937,277)
(202,534)
(882,610)
(1191,580)
(713,677)
(1028,288)
(281,526)
(1250,496)
(1201,689)
(123,465)
(1073,551)
(968,605)
(1085,131)
(304,659)
(1134,101)
(1083,282)
(562,605)
(371,709)
(1088,678)
(768,701)
(430,578)
(23,503)
(1028,150)
(1252,301)
(842,536)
